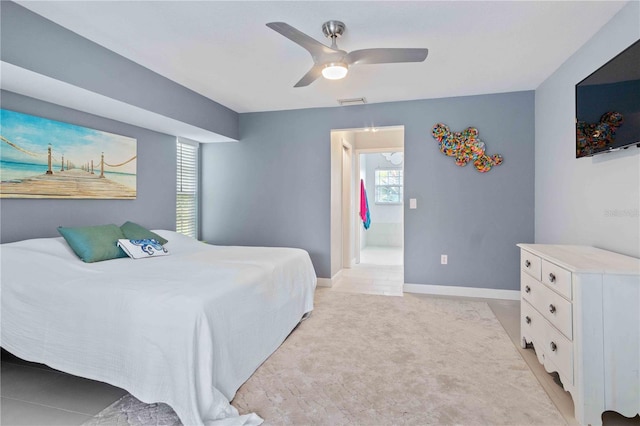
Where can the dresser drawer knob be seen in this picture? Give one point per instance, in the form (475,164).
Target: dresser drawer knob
(527,289)
(527,319)
(527,263)
(552,278)
(552,309)
(554,347)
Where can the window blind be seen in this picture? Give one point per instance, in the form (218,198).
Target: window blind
(187,189)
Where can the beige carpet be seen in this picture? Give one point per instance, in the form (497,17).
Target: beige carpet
(376,360)
(379,360)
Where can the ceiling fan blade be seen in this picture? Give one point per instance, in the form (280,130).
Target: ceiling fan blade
(310,76)
(385,56)
(314,47)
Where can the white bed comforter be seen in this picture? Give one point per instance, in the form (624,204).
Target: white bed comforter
(186,329)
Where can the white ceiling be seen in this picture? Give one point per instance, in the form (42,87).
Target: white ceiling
(224,51)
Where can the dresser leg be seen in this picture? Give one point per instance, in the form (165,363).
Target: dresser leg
(523,343)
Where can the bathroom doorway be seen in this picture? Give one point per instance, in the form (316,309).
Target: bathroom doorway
(380,239)
(381,178)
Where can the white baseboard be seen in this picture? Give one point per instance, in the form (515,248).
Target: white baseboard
(324,282)
(444,290)
(329,282)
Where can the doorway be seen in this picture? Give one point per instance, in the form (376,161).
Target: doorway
(367,259)
(381,174)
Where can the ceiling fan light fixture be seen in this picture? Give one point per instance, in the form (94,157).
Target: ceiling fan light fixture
(335,70)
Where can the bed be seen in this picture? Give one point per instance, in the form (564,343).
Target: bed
(185,329)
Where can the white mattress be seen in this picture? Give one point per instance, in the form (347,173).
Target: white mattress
(185,329)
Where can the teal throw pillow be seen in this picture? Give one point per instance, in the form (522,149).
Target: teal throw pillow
(133,231)
(94,243)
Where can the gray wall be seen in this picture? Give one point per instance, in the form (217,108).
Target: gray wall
(37,44)
(273,188)
(154,207)
(593,201)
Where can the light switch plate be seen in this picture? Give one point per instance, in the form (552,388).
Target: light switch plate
(413,203)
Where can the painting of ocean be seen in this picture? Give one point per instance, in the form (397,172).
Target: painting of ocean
(10,171)
(42,158)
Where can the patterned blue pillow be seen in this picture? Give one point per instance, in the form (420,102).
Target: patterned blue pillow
(140,249)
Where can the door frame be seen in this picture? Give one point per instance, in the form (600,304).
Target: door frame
(347,202)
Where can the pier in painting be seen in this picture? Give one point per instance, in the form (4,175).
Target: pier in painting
(74,183)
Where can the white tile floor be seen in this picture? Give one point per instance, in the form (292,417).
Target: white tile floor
(33,394)
(389,256)
(380,271)
(36,395)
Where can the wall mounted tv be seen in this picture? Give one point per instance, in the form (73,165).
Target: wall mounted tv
(608,106)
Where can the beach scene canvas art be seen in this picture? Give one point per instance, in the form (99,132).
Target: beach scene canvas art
(42,158)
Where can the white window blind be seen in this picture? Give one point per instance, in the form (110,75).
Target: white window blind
(187,189)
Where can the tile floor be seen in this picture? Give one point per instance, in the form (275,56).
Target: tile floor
(380,271)
(371,279)
(389,256)
(34,394)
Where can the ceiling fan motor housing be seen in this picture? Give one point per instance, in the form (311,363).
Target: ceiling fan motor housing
(333,29)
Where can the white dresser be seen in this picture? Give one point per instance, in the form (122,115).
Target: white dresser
(580,308)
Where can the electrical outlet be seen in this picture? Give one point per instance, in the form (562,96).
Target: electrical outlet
(443,259)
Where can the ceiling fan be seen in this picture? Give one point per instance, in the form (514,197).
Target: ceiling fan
(333,63)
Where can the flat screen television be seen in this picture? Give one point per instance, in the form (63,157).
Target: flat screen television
(608,106)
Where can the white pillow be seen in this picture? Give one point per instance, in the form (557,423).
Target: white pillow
(139,249)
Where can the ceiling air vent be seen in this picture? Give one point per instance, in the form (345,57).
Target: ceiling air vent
(354,101)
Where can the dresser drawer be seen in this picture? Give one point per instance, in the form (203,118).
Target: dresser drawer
(555,308)
(530,264)
(559,351)
(558,311)
(532,327)
(557,278)
(532,291)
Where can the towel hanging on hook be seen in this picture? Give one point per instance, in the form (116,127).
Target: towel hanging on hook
(364,206)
